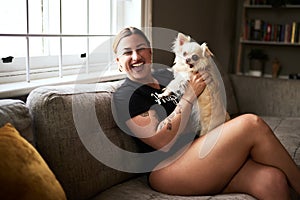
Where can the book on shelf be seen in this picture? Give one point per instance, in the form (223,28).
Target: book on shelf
(260,30)
(257,2)
(295,33)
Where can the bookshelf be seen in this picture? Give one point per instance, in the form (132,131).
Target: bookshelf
(275,30)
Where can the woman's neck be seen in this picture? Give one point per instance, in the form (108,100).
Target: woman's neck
(150,81)
(154,84)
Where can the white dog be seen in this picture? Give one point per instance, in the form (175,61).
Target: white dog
(191,57)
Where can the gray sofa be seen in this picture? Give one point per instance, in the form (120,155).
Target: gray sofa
(66,122)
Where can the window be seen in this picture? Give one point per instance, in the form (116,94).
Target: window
(53,41)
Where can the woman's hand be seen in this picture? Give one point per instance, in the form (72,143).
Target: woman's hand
(197,84)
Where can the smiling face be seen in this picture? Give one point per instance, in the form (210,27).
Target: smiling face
(134,56)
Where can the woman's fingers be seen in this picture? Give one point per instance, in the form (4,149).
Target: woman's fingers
(206,77)
(198,82)
(201,76)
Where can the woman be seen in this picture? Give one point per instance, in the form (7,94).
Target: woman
(247,157)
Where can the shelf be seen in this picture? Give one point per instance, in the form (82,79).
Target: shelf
(274,43)
(271,7)
(274,30)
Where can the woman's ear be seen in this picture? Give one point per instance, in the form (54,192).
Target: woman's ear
(119,66)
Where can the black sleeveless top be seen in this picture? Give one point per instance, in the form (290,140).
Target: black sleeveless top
(133,98)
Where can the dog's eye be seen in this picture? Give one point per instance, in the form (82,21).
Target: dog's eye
(195,57)
(184,53)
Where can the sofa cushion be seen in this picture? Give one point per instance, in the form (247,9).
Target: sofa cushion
(15,112)
(65,136)
(138,188)
(23,172)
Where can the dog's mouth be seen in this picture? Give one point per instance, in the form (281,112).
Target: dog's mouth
(188,62)
(191,65)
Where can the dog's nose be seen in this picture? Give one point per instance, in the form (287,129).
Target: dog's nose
(187,60)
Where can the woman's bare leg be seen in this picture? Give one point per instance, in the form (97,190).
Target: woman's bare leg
(260,181)
(242,137)
(268,150)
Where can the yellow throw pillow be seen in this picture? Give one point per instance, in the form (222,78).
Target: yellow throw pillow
(24,175)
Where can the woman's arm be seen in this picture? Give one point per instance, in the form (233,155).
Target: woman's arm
(162,135)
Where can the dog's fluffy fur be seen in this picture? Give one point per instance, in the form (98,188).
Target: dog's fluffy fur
(191,57)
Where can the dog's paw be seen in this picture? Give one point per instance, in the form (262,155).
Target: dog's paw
(166,92)
(160,96)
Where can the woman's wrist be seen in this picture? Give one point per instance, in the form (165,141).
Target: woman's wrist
(187,100)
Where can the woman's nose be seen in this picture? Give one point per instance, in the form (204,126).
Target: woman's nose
(135,55)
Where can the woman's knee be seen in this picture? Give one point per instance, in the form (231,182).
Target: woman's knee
(254,124)
(252,120)
(273,184)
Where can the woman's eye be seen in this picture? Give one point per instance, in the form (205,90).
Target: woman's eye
(195,57)
(127,53)
(140,49)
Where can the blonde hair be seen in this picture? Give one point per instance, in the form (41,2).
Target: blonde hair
(127,32)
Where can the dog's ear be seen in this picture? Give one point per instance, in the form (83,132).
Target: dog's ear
(206,51)
(181,39)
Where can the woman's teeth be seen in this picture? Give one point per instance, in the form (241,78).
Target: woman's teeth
(137,64)
(137,67)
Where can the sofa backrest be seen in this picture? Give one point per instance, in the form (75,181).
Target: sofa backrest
(15,112)
(63,130)
(267,96)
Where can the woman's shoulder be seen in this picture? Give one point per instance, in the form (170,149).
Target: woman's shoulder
(164,76)
(125,88)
